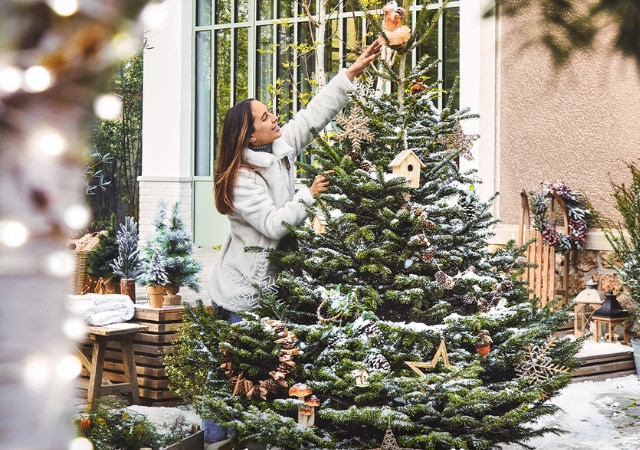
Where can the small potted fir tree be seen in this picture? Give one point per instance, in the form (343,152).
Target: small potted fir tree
(175,248)
(128,265)
(154,278)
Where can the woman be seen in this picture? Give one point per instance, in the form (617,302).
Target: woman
(254,184)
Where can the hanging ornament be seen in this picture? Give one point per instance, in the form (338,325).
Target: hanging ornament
(355,127)
(418,85)
(389,441)
(361,377)
(457,140)
(537,363)
(440,353)
(394,33)
(306,411)
(334,300)
(407,164)
(483,343)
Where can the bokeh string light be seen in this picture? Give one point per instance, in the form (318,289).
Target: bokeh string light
(55,68)
(64,8)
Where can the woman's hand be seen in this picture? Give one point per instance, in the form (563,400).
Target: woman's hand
(365,58)
(319,185)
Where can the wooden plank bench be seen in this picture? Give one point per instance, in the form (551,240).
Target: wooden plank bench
(100,385)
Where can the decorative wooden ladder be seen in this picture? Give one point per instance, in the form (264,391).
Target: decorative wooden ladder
(542,276)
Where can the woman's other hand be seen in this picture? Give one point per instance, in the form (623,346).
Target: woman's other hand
(319,185)
(365,58)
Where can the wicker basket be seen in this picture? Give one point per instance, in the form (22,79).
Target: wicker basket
(79,278)
(81,249)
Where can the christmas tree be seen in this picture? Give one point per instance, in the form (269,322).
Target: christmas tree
(372,330)
(175,248)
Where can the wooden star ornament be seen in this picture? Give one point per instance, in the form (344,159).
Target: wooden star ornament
(440,353)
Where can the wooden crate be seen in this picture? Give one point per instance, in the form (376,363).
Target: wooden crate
(149,348)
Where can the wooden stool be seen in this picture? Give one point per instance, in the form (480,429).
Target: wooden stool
(123,333)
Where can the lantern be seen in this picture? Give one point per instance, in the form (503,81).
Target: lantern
(585,304)
(608,321)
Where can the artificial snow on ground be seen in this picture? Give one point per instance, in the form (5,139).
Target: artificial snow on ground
(597,415)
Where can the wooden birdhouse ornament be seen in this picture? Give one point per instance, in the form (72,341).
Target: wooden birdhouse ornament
(319,223)
(407,165)
(361,377)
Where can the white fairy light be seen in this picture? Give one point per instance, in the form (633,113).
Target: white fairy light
(13,233)
(37,79)
(49,142)
(74,328)
(154,16)
(10,79)
(76,216)
(108,106)
(37,371)
(80,443)
(125,45)
(59,264)
(64,8)
(68,367)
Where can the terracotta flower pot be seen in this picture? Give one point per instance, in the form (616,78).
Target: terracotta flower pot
(171,297)
(156,296)
(483,348)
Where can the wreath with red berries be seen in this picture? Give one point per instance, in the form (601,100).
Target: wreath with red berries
(578,213)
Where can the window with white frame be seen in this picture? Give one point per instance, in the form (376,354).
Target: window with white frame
(266,49)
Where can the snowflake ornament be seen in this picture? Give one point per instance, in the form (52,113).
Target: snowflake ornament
(355,127)
(538,364)
(458,140)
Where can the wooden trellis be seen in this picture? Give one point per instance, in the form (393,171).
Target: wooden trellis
(542,276)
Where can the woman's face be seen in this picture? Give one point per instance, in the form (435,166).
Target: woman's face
(266,128)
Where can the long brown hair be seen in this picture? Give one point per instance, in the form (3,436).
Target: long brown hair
(234,138)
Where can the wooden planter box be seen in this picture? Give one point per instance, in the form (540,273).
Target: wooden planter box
(193,442)
(149,348)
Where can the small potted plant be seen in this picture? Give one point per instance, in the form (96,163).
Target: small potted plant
(483,343)
(175,248)
(128,265)
(155,279)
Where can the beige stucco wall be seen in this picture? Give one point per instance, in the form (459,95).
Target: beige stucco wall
(578,124)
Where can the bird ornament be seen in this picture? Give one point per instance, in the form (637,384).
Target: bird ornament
(396,34)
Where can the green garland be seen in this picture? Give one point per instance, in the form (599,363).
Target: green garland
(577,211)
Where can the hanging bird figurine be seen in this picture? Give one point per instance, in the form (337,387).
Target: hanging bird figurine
(396,34)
